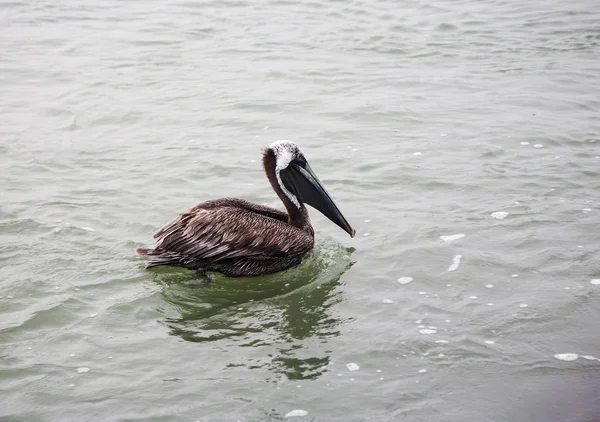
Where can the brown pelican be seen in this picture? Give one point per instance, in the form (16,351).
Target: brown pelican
(239,238)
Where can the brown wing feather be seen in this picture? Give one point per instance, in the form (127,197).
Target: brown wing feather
(225,229)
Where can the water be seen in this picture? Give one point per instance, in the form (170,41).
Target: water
(453,135)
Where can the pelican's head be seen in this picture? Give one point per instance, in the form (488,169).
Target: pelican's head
(299,183)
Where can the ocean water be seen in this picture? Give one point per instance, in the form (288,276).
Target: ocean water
(460,139)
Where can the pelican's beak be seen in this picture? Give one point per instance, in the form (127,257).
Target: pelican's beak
(301,180)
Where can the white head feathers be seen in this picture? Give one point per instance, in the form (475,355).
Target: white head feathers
(285,152)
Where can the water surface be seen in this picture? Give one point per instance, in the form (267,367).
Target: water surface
(425,121)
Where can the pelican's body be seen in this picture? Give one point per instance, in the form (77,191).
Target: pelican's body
(239,238)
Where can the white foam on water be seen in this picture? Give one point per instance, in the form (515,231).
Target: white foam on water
(441,355)
(367,221)
(523,305)
(422,293)
(538,146)
(379,370)
(448,285)
(405,280)
(499,215)
(422,371)
(295,413)
(418,321)
(568,357)
(88,229)
(490,304)
(524,143)
(366,234)
(452,237)
(595,281)
(427,331)
(83,370)
(421,326)
(442,134)
(417,153)
(489,286)
(588,357)
(514,275)
(455,263)
(93,315)
(441,341)
(447,320)
(473,297)
(387,301)
(433,327)
(352,366)
(489,342)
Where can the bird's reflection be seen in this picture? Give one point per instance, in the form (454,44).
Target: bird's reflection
(284,311)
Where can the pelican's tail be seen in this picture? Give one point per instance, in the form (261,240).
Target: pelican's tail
(157,257)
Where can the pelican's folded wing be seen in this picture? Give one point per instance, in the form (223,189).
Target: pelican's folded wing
(230,231)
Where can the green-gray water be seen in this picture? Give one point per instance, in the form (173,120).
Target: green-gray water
(423,120)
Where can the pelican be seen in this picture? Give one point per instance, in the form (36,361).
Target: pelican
(238,238)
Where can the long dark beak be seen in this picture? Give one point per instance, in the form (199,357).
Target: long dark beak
(301,180)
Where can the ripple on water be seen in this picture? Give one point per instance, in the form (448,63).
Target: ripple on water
(499,215)
(405,280)
(352,366)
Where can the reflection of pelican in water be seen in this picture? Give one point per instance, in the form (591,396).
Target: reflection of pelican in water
(281,312)
(239,238)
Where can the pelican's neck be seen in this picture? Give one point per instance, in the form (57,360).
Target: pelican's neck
(297,212)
